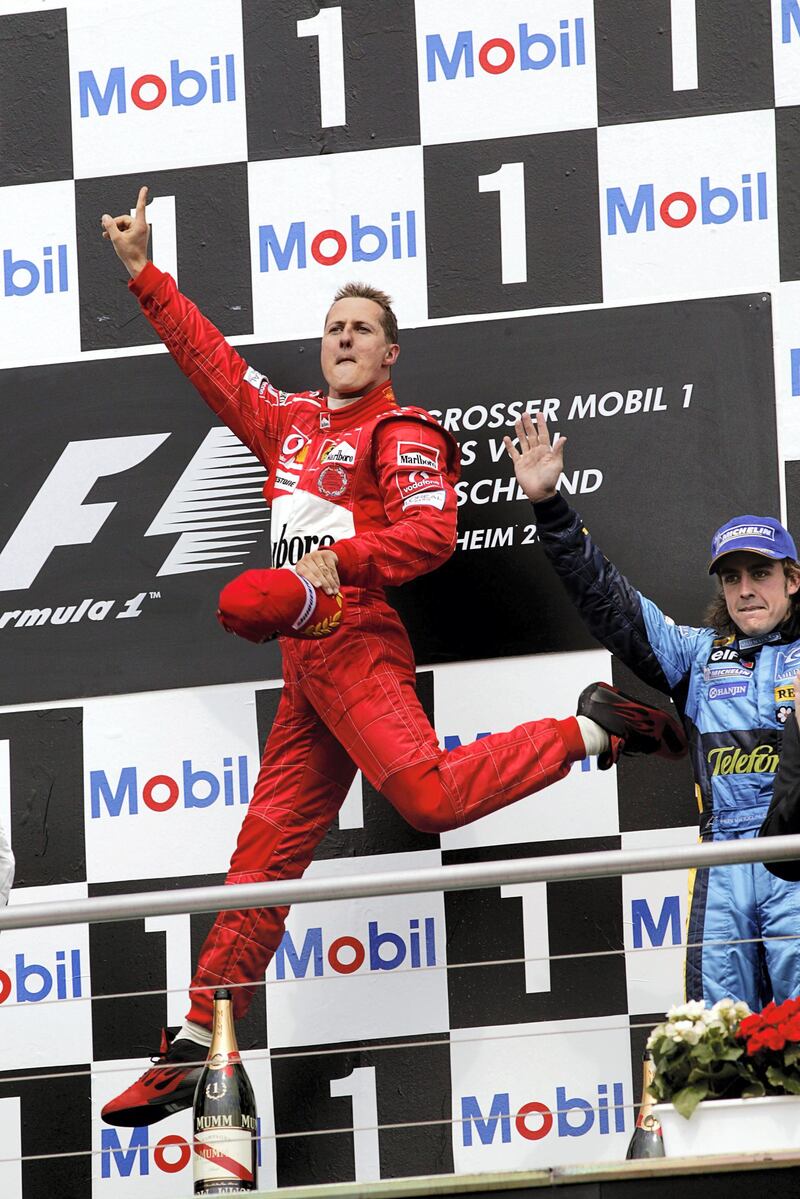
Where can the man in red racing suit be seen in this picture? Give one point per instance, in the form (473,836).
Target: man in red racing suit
(362,497)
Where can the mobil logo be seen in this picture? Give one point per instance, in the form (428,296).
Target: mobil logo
(629,211)
(318,956)
(45,272)
(180,87)
(170,1154)
(59,977)
(665,925)
(534,1120)
(361,240)
(121,791)
(525,49)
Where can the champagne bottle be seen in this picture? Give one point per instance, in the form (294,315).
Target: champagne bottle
(225,1123)
(647,1139)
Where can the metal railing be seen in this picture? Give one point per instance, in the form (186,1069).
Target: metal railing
(471,876)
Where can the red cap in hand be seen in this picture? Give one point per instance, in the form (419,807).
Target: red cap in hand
(262,604)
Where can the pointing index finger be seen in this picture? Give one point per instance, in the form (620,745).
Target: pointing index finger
(140,203)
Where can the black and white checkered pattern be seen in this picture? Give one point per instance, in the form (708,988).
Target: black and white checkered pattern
(584,208)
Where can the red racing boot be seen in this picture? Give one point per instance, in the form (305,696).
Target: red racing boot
(633,727)
(167,1087)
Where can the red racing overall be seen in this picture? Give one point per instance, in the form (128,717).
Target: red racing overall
(374,482)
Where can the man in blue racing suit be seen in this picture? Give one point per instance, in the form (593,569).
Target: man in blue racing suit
(733,685)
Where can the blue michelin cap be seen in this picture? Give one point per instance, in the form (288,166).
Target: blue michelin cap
(755,534)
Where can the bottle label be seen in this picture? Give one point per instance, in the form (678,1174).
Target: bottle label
(223,1155)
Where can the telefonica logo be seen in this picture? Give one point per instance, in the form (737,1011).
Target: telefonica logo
(730,759)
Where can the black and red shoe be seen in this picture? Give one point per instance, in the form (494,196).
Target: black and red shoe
(167,1087)
(633,727)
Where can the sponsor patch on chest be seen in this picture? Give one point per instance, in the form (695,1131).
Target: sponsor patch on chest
(294,448)
(731,690)
(332,481)
(343,454)
(725,662)
(787,663)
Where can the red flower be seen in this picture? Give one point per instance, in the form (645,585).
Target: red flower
(766,1038)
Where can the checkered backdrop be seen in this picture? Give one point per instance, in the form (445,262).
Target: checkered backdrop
(589,210)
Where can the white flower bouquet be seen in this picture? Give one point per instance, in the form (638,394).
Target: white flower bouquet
(698,1055)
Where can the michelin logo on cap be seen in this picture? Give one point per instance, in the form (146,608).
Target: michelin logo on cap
(753,534)
(746,531)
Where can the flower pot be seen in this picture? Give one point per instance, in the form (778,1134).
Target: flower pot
(732,1126)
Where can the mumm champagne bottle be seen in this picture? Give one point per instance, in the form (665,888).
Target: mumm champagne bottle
(225,1127)
(647,1139)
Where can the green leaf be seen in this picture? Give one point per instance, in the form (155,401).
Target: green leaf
(729,1055)
(687,1099)
(779,1078)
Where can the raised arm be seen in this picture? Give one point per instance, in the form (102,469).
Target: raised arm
(244,399)
(620,617)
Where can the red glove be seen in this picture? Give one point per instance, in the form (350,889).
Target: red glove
(262,604)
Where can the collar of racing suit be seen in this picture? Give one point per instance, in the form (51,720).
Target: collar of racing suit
(788,631)
(375,401)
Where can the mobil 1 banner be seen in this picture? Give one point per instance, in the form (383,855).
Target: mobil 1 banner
(668,412)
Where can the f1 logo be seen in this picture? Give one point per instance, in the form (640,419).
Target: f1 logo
(58,515)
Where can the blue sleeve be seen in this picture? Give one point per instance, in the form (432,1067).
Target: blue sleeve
(630,626)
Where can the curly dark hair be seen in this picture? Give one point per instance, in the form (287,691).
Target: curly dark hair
(718,618)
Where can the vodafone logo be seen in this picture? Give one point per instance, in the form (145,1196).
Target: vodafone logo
(418,480)
(293,443)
